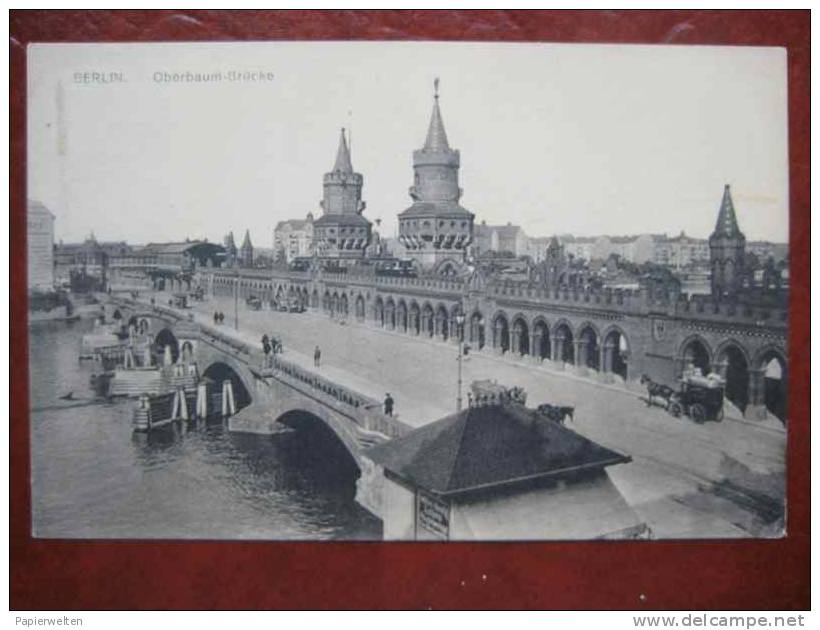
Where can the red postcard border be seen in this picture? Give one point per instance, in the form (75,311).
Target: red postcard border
(774,574)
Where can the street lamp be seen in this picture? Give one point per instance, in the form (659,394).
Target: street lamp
(236,299)
(460,331)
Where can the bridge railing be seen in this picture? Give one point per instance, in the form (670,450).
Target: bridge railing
(364,410)
(231,345)
(705,307)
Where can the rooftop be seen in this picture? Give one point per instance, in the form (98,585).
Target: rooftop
(37,207)
(487,446)
(294,224)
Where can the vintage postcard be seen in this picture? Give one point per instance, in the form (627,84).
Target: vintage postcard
(407,291)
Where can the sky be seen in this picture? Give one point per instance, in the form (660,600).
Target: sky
(559,139)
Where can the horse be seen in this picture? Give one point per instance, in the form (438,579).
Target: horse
(556,413)
(658,390)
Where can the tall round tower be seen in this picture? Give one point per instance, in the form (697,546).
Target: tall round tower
(342,232)
(436,228)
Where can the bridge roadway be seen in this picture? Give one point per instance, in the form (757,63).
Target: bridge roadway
(686,480)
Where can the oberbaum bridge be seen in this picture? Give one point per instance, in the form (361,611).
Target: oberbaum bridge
(552,317)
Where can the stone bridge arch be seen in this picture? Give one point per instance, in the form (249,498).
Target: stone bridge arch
(734,363)
(219,371)
(290,406)
(217,366)
(770,366)
(696,351)
(166,338)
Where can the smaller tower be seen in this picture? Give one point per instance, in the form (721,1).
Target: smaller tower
(246,251)
(555,263)
(727,247)
(342,233)
(230,250)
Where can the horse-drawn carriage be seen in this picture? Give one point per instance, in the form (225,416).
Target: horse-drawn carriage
(699,402)
(253,303)
(699,397)
(179,300)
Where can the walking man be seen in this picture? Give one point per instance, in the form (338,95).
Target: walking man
(388,405)
(266,349)
(317,357)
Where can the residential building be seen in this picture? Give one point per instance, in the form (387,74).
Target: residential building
(40,244)
(577,246)
(500,238)
(293,239)
(681,251)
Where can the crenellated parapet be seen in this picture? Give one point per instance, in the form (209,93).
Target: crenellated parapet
(614,335)
(640,302)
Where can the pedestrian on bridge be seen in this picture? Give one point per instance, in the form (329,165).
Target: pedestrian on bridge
(317,357)
(388,404)
(266,348)
(216,318)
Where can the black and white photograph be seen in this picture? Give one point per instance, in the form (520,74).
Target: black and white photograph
(407,291)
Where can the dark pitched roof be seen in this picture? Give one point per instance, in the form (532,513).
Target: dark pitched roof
(178,248)
(171,248)
(343,163)
(727,221)
(442,209)
(436,141)
(489,446)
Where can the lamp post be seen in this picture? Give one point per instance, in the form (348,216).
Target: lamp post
(460,330)
(236,299)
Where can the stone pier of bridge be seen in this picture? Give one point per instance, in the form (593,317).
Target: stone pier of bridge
(269,388)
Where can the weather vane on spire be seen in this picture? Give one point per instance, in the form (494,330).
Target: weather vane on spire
(435,86)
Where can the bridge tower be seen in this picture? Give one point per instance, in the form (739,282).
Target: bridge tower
(436,228)
(342,233)
(727,247)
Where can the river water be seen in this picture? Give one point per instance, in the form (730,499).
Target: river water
(92,477)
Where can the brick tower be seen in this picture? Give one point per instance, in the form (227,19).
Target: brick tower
(436,228)
(342,233)
(727,250)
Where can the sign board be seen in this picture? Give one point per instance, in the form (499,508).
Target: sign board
(432,517)
(658,329)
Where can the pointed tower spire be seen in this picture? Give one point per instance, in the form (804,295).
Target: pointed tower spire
(247,240)
(727,221)
(343,163)
(436,136)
